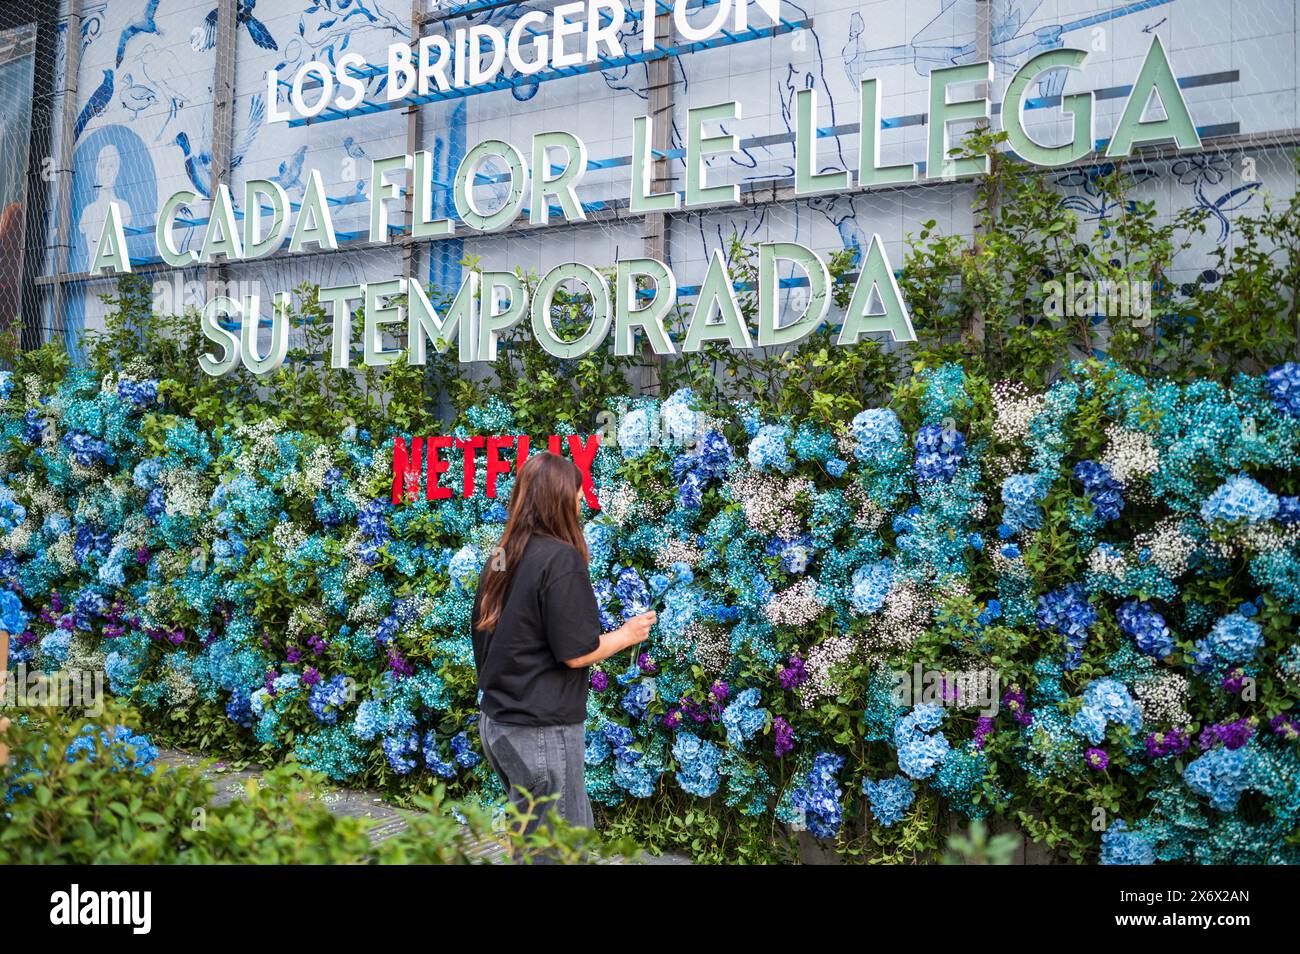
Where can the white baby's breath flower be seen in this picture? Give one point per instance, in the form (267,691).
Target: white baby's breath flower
(1130,455)
(797,605)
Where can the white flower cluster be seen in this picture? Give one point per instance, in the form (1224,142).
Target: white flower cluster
(797,605)
(81,472)
(1267,538)
(179,683)
(769,502)
(18,539)
(83,656)
(676,550)
(618,502)
(365,609)
(1163,700)
(304,619)
(710,645)
(257,445)
(61,551)
(1013,568)
(1171,549)
(1130,455)
(821,664)
(867,514)
(1107,561)
(379,473)
(288,536)
(309,479)
(183,492)
(902,620)
(1013,410)
(134,533)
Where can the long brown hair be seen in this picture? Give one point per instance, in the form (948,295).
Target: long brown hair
(542,502)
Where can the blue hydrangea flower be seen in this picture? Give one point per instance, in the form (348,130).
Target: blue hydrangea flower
(13,619)
(1104,492)
(401,750)
(921,747)
(1120,846)
(1068,612)
(636,431)
(876,433)
(871,585)
(889,798)
(819,796)
(1106,702)
(768,450)
(1283,383)
(742,718)
(682,424)
(1240,498)
(939,452)
(123,750)
(1021,496)
(697,764)
(632,592)
(464,565)
(1221,775)
(1235,639)
(638,698)
(327,698)
(1146,627)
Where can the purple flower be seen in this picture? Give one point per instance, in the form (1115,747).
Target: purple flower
(983,729)
(310,676)
(398,664)
(1161,745)
(793,675)
(784,734)
(1234,680)
(599,680)
(1014,700)
(1286,727)
(1231,735)
(1097,759)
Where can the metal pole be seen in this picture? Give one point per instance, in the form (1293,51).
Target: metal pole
(223,112)
(63,190)
(660,83)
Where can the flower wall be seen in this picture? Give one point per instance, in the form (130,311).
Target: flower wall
(1117,557)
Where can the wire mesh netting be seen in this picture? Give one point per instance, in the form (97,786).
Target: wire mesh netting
(129,101)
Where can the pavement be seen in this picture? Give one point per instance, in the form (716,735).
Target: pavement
(387,820)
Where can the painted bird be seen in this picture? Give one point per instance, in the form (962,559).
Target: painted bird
(136,97)
(143,25)
(290,172)
(198,166)
(207,34)
(97,103)
(352,149)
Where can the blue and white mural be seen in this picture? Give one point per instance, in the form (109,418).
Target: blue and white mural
(144,118)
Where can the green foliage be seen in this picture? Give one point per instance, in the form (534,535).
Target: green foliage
(95,809)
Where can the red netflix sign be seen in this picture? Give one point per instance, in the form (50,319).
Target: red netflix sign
(503,453)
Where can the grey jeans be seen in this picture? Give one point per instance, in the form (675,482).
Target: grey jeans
(544,760)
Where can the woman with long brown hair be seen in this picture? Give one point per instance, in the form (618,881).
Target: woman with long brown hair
(536,629)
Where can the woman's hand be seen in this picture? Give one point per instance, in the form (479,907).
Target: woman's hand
(637,629)
(633,631)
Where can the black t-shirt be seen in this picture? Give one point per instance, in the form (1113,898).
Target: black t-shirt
(550,615)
